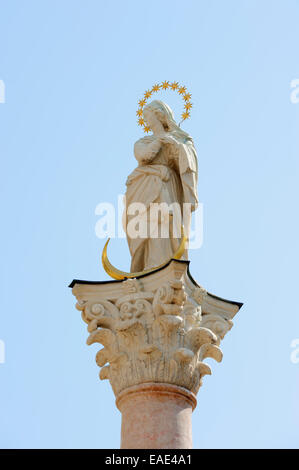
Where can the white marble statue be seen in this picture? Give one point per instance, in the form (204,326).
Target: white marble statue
(167,172)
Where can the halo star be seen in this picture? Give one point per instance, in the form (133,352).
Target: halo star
(188,105)
(174,86)
(142,103)
(156,88)
(187,96)
(185,115)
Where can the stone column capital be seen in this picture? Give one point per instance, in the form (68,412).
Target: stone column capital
(157,328)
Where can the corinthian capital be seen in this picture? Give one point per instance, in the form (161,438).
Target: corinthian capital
(156,328)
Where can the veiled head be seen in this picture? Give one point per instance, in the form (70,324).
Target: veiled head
(158,114)
(159,111)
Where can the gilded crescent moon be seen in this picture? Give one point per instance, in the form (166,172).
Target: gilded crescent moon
(121,275)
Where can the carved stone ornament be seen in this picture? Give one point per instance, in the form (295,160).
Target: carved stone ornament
(156,328)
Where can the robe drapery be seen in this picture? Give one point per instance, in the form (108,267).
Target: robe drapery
(167,176)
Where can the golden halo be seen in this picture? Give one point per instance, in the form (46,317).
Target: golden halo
(182,90)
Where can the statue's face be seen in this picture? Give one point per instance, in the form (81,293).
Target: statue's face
(150,118)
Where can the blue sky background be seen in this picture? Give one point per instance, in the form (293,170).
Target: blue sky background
(74,71)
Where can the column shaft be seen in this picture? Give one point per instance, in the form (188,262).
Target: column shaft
(156,416)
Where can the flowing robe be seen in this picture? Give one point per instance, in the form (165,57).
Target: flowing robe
(169,176)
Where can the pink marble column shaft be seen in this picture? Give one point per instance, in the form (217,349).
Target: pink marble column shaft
(156,416)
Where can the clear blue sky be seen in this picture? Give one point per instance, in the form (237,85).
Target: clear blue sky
(74,71)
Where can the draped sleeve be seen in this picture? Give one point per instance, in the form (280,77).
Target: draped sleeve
(188,168)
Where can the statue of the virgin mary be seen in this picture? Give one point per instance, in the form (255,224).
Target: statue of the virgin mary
(167,172)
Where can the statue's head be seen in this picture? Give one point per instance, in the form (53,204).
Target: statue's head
(158,110)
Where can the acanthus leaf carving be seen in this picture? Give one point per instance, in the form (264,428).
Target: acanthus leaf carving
(158,335)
